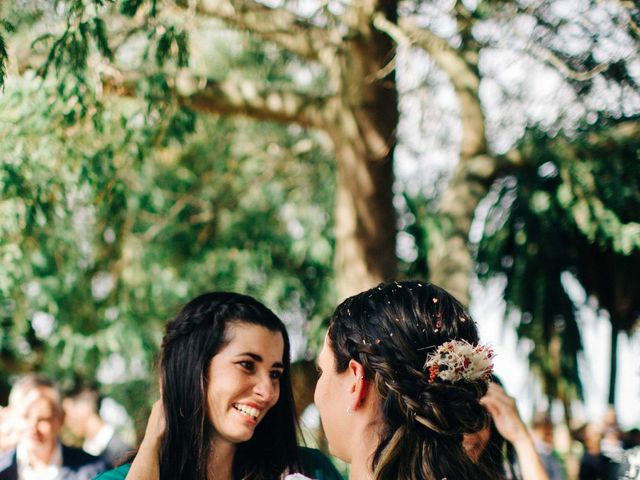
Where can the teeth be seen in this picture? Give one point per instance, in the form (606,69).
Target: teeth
(247,410)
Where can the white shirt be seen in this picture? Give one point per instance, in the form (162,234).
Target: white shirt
(98,443)
(26,471)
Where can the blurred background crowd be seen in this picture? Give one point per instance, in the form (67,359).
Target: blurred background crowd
(43,432)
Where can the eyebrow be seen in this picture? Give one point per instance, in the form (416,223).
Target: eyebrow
(258,358)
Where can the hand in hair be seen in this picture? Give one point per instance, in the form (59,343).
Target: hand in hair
(506,418)
(146,465)
(504,413)
(156,423)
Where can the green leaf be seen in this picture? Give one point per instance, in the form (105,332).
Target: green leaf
(182,43)
(100,37)
(4,58)
(163,45)
(130,7)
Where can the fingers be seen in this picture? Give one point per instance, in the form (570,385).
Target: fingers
(156,422)
(497,401)
(504,412)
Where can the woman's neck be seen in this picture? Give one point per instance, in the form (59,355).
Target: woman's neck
(360,471)
(363,451)
(220,464)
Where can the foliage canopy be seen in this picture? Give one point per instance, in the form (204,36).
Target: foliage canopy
(128,188)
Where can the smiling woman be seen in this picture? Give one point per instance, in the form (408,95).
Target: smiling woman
(227,407)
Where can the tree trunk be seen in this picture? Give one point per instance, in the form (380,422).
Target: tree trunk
(450,262)
(360,116)
(365,221)
(362,122)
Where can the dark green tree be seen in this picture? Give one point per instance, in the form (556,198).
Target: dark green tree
(101,246)
(351,51)
(574,211)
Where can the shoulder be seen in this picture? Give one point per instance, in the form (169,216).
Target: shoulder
(76,457)
(317,464)
(118,443)
(116,474)
(116,451)
(79,464)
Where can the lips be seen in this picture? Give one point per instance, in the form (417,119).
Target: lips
(248,410)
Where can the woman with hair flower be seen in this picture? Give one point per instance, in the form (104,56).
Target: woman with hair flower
(402,375)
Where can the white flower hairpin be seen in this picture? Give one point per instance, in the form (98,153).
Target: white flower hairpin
(296,476)
(458,360)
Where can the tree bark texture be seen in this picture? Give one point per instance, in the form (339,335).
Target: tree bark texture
(362,125)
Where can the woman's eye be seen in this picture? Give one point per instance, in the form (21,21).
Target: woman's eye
(318,371)
(276,374)
(247,365)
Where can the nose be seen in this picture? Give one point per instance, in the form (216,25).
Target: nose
(266,388)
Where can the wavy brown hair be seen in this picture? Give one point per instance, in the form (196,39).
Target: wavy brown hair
(390,330)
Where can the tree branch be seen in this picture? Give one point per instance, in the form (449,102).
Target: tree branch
(239,97)
(278,25)
(446,57)
(547,56)
(463,76)
(634,27)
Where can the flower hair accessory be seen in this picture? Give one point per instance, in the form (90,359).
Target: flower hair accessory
(458,360)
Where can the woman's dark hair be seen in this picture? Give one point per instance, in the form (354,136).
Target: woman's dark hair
(499,454)
(196,334)
(391,330)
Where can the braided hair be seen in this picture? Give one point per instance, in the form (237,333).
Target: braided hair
(192,339)
(391,330)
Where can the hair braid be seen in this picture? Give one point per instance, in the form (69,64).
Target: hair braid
(391,330)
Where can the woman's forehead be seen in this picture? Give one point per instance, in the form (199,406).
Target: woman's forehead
(243,337)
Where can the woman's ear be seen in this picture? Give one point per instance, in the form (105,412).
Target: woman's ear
(359,385)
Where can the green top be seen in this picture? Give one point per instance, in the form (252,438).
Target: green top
(314,462)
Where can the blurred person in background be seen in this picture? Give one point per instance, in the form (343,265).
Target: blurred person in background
(542,430)
(594,465)
(82,418)
(506,443)
(611,443)
(630,465)
(38,417)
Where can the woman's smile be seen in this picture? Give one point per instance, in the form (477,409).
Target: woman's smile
(250,414)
